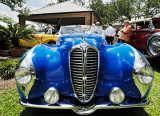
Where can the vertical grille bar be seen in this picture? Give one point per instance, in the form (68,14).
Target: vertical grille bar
(84,71)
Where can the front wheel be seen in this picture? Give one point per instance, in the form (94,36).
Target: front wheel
(154,46)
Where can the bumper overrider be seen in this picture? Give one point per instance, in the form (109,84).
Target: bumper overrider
(84,110)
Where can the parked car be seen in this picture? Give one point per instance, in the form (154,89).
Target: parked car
(146,36)
(39,39)
(83,73)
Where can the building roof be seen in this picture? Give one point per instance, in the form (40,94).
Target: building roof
(64,7)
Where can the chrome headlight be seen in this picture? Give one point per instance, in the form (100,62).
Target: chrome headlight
(25,73)
(154,45)
(142,73)
(145,75)
(23,76)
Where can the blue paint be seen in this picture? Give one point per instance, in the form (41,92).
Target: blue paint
(51,64)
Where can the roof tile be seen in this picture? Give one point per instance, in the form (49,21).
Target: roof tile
(63,7)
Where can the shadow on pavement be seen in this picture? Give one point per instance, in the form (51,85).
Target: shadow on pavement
(106,112)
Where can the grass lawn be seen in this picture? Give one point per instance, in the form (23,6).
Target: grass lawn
(9,103)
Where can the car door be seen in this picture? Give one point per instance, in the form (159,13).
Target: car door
(140,35)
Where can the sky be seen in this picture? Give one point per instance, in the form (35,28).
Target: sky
(31,4)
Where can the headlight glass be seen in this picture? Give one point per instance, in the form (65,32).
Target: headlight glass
(51,96)
(116,95)
(23,76)
(145,75)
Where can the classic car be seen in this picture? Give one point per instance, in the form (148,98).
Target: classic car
(146,36)
(83,73)
(39,39)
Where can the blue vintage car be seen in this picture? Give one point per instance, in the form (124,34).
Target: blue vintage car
(83,73)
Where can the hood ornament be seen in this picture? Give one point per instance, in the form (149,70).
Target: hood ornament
(83,44)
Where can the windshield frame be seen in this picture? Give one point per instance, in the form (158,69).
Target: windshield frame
(80,30)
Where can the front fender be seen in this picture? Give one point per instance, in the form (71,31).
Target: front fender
(51,70)
(116,69)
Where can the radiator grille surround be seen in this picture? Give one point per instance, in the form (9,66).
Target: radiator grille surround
(84,66)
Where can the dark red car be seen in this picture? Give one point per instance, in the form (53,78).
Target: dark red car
(146,36)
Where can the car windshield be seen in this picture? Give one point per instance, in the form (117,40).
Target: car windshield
(156,23)
(80,30)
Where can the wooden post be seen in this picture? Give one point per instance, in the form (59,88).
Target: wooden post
(22,20)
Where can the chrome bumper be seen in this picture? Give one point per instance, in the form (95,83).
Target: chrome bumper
(85,110)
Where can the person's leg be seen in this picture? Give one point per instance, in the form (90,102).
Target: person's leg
(119,40)
(107,39)
(123,41)
(111,38)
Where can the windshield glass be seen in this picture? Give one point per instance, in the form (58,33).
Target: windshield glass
(156,23)
(80,30)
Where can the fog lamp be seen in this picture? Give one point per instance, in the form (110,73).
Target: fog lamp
(116,95)
(51,96)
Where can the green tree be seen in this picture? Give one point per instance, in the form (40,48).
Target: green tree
(6,19)
(17,5)
(13,4)
(99,9)
(125,8)
(59,1)
(111,12)
(14,32)
(151,8)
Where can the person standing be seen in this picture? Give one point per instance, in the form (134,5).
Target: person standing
(125,32)
(96,28)
(49,30)
(110,32)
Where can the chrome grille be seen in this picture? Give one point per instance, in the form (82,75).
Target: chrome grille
(84,71)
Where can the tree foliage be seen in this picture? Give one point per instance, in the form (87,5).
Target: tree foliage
(119,10)
(13,4)
(14,31)
(59,1)
(6,19)
(17,5)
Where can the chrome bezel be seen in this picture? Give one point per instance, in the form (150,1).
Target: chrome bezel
(84,49)
(22,77)
(115,89)
(25,89)
(51,89)
(140,62)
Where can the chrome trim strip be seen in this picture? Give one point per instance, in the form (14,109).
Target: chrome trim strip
(85,110)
